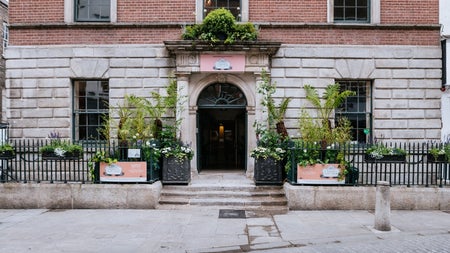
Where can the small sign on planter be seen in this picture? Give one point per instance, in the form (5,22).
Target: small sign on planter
(123,172)
(319,174)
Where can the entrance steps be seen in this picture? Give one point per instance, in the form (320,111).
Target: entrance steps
(224,191)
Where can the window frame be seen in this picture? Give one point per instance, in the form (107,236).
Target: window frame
(373,16)
(200,11)
(5,35)
(76,111)
(368,110)
(69,13)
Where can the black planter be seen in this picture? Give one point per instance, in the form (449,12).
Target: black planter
(386,159)
(352,176)
(268,171)
(7,155)
(176,172)
(67,156)
(438,159)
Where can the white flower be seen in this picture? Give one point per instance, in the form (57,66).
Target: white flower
(59,152)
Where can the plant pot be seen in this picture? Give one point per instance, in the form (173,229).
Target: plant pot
(7,155)
(386,159)
(319,174)
(268,171)
(352,176)
(67,156)
(175,171)
(438,159)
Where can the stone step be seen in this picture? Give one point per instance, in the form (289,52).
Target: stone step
(256,198)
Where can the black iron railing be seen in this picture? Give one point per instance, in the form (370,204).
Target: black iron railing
(29,164)
(417,168)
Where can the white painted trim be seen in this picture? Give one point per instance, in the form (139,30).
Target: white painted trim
(375,10)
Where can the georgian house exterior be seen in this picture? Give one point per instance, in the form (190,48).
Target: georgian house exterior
(66,58)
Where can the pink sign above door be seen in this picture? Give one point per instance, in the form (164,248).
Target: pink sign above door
(222,63)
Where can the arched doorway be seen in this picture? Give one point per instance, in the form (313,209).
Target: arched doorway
(222,128)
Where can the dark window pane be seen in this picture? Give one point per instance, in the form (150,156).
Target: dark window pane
(233,5)
(351,10)
(92,10)
(92,97)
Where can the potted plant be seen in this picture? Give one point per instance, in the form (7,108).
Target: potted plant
(60,149)
(439,154)
(384,153)
(220,26)
(272,137)
(94,164)
(320,151)
(7,151)
(176,165)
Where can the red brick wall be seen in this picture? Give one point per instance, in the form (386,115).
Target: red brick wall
(62,36)
(284,35)
(410,11)
(156,11)
(352,36)
(311,11)
(36,11)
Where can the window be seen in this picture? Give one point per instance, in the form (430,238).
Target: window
(5,35)
(92,10)
(358,109)
(352,11)
(90,108)
(233,5)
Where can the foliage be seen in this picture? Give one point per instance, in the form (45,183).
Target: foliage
(220,25)
(442,150)
(60,148)
(98,157)
(270,144)
(177,150)
(320,129)
(6,148)
(272,138)
(379,151)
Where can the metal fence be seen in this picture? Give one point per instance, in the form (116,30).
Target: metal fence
(29,165)
(418,168)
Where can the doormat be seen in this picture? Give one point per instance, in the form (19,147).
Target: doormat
(231,214)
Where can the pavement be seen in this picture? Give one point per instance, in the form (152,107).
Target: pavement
(204,230)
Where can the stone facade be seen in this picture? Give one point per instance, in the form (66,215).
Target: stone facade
(4,19)
(398,51)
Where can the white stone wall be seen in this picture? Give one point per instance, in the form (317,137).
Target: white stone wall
(406,84)
(38,97)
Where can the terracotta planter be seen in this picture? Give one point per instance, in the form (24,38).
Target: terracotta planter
(268,171)
(319,174)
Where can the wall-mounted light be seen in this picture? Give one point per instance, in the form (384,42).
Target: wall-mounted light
(208,2)
(221,131)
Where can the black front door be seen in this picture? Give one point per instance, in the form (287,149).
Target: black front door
(221,128)
(222,139)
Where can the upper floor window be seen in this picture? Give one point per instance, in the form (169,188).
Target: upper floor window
(357,109)
(233,5)
(5,34)
(91,108)
(93,10)
(352,11)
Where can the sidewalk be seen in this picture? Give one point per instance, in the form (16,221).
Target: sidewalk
(195,231)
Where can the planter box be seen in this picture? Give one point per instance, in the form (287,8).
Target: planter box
(67,156)
(386,159)
(438,159)
(268,172)
(319,174)
(7,155)
(124,172)
(176,172)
